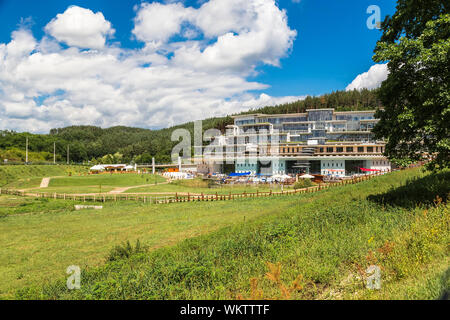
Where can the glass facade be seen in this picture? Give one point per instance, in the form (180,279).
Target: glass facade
(319,141)
(320,115)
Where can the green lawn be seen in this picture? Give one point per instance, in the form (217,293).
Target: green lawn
(199,186)
(116,180)
(213,190)
(40,238)
(212,250)
(14,205)
(324,240)
(76,189)
(100,183)
(29,176)
(25,183)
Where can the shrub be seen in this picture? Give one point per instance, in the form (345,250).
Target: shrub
(126,250)
(303,183)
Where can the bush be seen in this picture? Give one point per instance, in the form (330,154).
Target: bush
(303,183)
(126,250)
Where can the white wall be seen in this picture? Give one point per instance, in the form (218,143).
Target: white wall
(335,168)
(383,165)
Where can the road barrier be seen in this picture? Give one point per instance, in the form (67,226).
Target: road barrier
(176,197)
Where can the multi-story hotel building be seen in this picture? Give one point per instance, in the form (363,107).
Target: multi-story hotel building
(320,141)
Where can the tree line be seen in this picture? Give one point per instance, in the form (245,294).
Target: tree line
(128,144)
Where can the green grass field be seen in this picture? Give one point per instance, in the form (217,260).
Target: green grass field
(30,176)
(220,250)
(199,186)
(116,180)
(40,238)
(99,183)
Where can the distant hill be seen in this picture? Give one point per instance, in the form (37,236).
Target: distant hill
(125,144)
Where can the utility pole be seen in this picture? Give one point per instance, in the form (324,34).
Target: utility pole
(153,165)
(54,152)
(26,152)
(67,154)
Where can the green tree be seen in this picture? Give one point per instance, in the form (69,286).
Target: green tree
(416,95)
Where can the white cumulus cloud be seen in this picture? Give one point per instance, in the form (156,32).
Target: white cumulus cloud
(80,27)
(371,79)
(156,22)
(44,85)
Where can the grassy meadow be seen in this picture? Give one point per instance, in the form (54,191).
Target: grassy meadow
(40,238)
(109,179)
(308,246)
(202,186)
(100,183)
(30,176)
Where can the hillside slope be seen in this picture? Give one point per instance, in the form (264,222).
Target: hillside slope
(12,174)
(316,249)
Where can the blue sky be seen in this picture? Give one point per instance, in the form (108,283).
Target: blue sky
(331,47)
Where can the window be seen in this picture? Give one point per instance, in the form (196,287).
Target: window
(369,149)
(329,149)
(339,149)
(321,150)
(349,149)
(360,149)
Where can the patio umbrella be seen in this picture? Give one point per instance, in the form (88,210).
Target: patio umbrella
(307,176)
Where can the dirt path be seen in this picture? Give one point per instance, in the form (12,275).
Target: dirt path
(123,189)
(44,182)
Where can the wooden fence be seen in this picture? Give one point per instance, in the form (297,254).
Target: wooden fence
(182,198)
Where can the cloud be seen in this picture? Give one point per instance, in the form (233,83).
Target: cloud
(370,79)
(44,85)
(80,27)
(156,22)
(244,33)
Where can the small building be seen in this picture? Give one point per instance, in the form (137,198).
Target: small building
(111,168)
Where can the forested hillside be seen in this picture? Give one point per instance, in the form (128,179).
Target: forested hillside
(125,144)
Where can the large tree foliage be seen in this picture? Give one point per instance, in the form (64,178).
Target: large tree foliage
(416,95)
